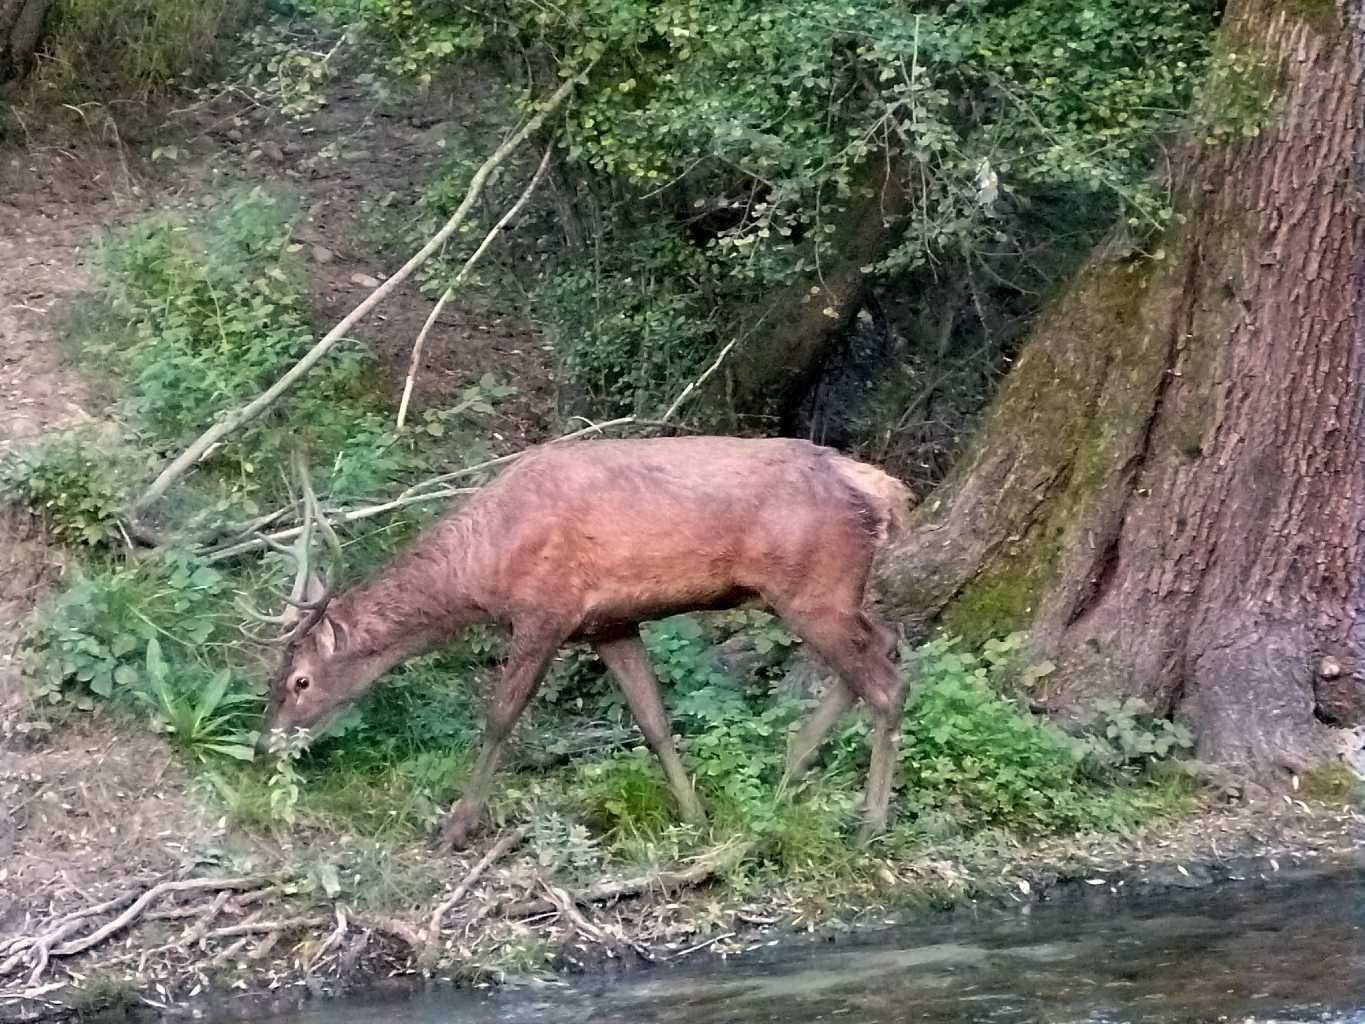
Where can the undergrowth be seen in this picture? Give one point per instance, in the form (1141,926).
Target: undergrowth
(132,47)
(201,311)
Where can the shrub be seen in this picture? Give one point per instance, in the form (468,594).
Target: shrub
(136,46)
(91,639)
(981,758)
(633,326)
(1128,735)
(76,481)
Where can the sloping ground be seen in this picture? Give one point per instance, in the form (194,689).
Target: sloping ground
(98,806)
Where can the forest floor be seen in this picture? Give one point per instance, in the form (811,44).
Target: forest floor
(100,813)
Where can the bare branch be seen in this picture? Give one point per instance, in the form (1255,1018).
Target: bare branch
(494,854)
(246,413)
(469,265)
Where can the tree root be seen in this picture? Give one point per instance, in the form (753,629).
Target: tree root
(701,870)
(39,948)
(430,948)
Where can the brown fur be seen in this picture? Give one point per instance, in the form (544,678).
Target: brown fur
(587,540)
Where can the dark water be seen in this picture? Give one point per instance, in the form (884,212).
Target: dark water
(1290,951)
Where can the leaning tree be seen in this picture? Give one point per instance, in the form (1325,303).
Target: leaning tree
(1169,491)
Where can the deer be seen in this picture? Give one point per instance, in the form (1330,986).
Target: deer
(584,541)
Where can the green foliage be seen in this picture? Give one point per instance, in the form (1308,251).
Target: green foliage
(202,714)
(285,782)
(76,481)
(216,308)
(633,326)
(981,758)
(133,46)
(293,74)
(210,310)
(90,640)
(627,792)
(1128,734)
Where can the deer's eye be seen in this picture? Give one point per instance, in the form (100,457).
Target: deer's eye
(301,683)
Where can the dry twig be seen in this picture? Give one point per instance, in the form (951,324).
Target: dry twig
(246,413)
(496,852)
(469,265)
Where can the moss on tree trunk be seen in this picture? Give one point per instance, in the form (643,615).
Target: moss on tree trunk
(1169,493)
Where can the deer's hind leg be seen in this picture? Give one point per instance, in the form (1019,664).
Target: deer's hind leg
(626,657)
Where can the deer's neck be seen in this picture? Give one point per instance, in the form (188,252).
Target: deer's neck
(411,605)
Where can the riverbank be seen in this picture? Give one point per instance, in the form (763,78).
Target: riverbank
(122,890)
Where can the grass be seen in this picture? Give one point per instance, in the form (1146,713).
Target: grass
(133,47)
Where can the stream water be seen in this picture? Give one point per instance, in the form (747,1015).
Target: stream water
(1279,951)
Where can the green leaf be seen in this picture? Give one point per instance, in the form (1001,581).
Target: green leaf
(156,664)
(212,695)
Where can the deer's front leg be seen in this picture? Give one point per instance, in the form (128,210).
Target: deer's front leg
(530,654)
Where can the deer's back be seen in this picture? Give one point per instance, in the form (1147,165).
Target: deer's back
(631,530)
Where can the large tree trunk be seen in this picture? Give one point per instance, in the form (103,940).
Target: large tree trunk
(1170,489)
(21,27)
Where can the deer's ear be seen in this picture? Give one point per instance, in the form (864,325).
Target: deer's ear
(331,637)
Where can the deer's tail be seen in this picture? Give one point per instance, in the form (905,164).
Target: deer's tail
(888,500)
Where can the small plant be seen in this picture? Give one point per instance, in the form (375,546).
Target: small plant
(210,719)
(626,795)
(286,784)
(562,846)
(75,482)
(984,760)
(90,640)
(1129,734)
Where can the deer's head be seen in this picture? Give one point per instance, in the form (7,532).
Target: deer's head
(316,679)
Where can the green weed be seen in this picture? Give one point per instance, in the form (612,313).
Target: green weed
(90,640)
(136,47)
(76,481)
(202,715)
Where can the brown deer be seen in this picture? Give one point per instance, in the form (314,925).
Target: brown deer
(585,541)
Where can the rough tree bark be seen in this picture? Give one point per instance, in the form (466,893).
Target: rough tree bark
(21,26)
(1169,491)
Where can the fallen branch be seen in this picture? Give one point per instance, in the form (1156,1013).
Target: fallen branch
(246,413)
(469,265)
(338,933)
(37,949)
(701,870)
(434,488)
(563,901)
(263,540)
(495,853)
